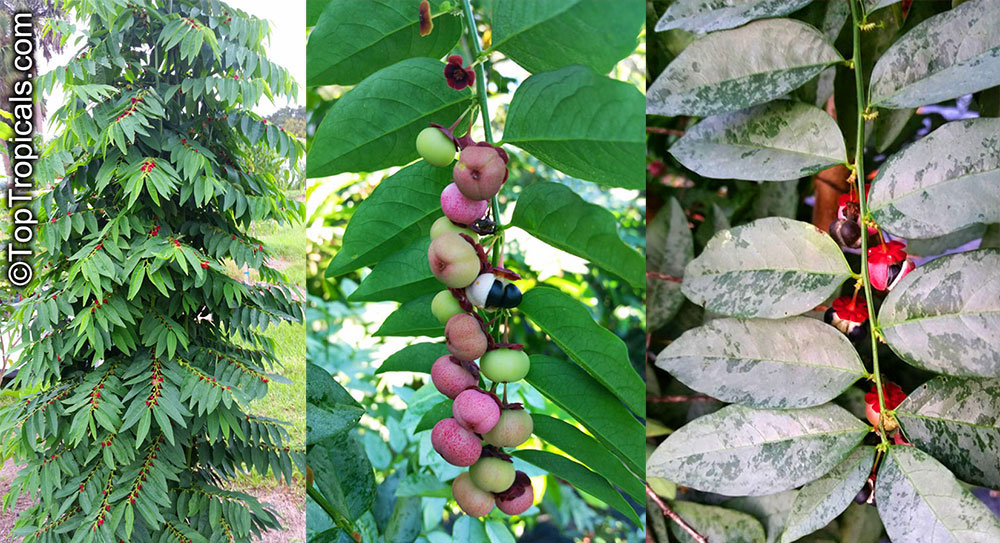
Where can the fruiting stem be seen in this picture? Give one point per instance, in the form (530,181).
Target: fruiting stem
(337,518)
(859,151)
(674,516)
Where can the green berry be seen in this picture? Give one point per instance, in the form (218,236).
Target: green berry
(505,365)
(435,147)
(444,306)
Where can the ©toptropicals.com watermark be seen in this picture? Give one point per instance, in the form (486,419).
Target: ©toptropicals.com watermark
(22,153)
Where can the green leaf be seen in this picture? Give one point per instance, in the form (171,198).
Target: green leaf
(771,510)
(890,125)
(777,199)
(434,415)
(543,35)
(331,410)
(941,244)
(920,501)
(716,524)
(771,142)
(707,15)
(583,124)
(343,473)
(587,451)
(422,484)
(406,520)
(771,268)
(944,182)
(354,39)
(824,499)
(398,212)
(469,530)
(370,128)
(595,348)
(418,357)
(739,361)
(592,405)
(743,451)
(944,315)
(764,60)
(958,422)
(946,56)
(400,277)
(413,318)
(579,477)
(553,213)
(669,247)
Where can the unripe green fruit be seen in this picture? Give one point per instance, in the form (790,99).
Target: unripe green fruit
(505,365)
(444,306)
(475,501)
(444,224)
(492,474)
(514,428)
(453,260)
(435,147)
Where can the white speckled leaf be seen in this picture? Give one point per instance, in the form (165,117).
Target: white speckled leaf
(920,501)
(716,524)
(741,361)
(770,142)
(740,451)
(950,54)
(771,510)
(734,69)
(669,247)
(945,315)
(770,268)
(947,181)
(707,15)
(822,500)
(958,422)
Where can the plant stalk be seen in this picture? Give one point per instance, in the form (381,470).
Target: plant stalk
(859,175)
(674,516)
(336,517)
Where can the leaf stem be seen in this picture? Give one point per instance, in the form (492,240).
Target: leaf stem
(674,516)
(335,516)
(859,151)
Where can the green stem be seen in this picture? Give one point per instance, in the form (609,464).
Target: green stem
(859,173)
(337,518)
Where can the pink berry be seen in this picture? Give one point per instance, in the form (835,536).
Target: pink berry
(450,378)
(519,497)
(458,446)
(460,209)
(476,411)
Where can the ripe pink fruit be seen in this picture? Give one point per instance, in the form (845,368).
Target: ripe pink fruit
(519,497)
(476,410)
(450,378)
(475,501)
(453,260)
(458,446)
(460,209)
(464,337)
(480,172)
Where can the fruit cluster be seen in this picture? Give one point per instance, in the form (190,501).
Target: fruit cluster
(482,423)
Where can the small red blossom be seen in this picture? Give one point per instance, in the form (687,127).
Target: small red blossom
(850,308)
(426,22)
(457,76)
(887,264)
(656,168)
(894,396)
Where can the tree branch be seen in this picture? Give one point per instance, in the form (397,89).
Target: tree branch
(672,515)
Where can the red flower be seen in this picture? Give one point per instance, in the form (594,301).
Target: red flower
(894,396)
(426,22)
(656,168)
(457,76)
(887,264)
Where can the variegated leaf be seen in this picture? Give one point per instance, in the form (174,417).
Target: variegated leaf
(739,451)
(950,54)
(740,361)
(771,510)
(734,69)
(945,315)
(770,268)
(669,247)
(822,500)
(947,181)
(771,142)
(708,15)
(957,421)
(716,524)
(920,501)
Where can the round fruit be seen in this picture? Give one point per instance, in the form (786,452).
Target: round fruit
(458,446)
(435,147)
(444,306)
(453,260)
(444,224)
(464,337)
(505,365)
(519,497)
(514,427)
(460,209)
(475,501)
(480,172)
(450,378)
(476,411)
(492,474)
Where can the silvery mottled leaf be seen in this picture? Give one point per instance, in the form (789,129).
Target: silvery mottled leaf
(872,5)
(669,247)
(950,54)
(945,315)
(716,524)
(822,500)
(740,451)
(958,422)
(708,15)
(920,501)
(942,183)
(937,245)
(770,142)
(742,361)
(734,69)
(771,510)
(770,268)
(777,199)
(860,524)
